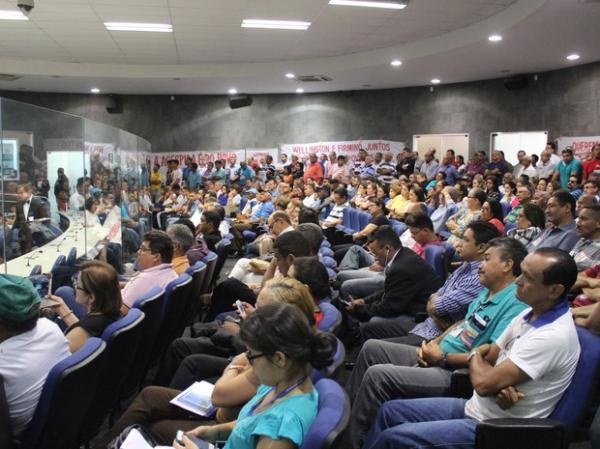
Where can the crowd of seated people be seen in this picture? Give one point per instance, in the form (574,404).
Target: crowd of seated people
(434,264)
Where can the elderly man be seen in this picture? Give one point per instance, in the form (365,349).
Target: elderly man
(429,165)
(387,370)
(154,258)
(29,348)
(522,375)
(182,239)
(545,167)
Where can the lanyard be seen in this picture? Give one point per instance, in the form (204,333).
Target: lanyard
(280,395)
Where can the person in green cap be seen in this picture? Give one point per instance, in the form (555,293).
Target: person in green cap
(29,348)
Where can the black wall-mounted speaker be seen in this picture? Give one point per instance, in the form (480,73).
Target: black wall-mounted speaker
(240,101)
(518,82)
(114,105)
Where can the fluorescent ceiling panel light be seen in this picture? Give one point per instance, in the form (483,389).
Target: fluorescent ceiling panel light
(290,75)
(133,26)
(573,57)
(495,38)
(12,15)
(368,4)
(396,63)
(275,24)
(299,90)
(436,81)
(95,90)
(232,91)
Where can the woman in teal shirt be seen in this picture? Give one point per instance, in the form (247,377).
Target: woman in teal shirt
(282,348)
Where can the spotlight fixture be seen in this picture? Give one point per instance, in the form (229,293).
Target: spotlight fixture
(135,26)
(95,90)
(276,24)
(573,57)
(233,91)
(299,90)
(396,63)
(436,81)
(290,76)
(495,38)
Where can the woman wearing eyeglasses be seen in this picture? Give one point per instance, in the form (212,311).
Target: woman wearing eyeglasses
(282,350)
(97,289)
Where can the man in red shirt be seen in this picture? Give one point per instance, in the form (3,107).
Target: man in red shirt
(313,170)
(593,164)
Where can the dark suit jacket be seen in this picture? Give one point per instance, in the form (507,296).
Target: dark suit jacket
(409,282)
(37,209)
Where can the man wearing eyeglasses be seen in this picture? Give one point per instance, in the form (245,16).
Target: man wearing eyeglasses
(154,260)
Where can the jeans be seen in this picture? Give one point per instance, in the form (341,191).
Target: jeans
(422,423)
(360,283)
(356,257)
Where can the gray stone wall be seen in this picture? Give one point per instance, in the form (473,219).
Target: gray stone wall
(564,102)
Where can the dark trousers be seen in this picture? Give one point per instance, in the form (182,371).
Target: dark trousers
(227,293)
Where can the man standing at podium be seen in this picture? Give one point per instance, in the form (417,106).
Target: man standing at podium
(29,208)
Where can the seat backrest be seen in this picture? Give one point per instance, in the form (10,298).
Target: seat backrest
(211,262)
(72,257)
(67,392)
(332,318)
(222,252)
(68,295)
(177,295)
(6,441)
(60,260)
(346,216)
(363,220)
(332,417)
(505,208)
(430,210)
(198,273)
(151,305)
(574,402)
(332,370)
(122,340)
(398,226)
(36,270)
(508,226)
(435,257)
(354,221)
(326,251)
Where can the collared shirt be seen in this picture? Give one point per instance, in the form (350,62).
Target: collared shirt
(486,319)
(547,350)
(586,253)
(474,167)
(26,206)
(513,215)
(386,179)
(429,168)
(367,171)
(561,237)
(158,276)
(314,172)
(337,172)
(25,361)
(265,209)
(459,290)
(525,236)
(336,213)
(180,264)
(565,171)
(451,173)
(545,170)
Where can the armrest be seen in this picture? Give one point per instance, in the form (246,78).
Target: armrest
(6,441)
(521,433)
(460,384)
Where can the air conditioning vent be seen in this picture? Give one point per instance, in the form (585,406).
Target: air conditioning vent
(313,78)
(8,77)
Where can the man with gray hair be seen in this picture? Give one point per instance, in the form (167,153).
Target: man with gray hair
(182,239)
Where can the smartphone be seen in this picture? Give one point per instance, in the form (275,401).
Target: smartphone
(197,441)
(43,284)
(240,308)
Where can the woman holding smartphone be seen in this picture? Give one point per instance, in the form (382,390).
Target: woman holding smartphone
(282,349)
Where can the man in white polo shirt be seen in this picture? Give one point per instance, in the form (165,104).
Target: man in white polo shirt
(523,375)
(29,348)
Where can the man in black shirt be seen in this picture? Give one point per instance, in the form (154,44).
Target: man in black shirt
(406,163)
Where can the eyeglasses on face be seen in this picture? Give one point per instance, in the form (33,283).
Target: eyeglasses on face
(251,357)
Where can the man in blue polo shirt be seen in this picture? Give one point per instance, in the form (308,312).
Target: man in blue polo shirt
(567,166)
(402,371)
(522,375)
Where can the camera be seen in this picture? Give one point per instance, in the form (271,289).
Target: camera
(26,6)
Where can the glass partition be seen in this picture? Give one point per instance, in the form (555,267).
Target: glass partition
(70,187)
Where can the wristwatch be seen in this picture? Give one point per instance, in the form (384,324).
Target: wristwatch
(444,360)
(472,354)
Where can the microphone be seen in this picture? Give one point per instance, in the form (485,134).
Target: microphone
(35,255)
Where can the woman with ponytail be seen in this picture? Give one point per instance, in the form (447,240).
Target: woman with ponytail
(282,349)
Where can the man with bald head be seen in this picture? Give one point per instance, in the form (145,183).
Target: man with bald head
(429,165)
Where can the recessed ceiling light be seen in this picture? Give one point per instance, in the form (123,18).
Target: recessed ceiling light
(232,91)
(299,90)
(95,90)
(369,4)
(396,63)
(290,75)
(495,38)
(275,24)
(134,26)
(436,81)
(573,57)
(12,15)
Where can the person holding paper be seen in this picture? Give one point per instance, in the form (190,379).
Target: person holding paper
(282,349)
